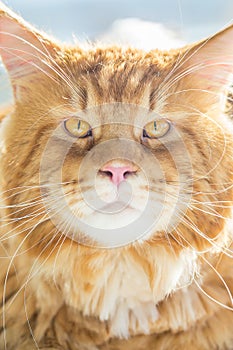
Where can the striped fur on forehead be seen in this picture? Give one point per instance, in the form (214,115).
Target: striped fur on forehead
(113,74)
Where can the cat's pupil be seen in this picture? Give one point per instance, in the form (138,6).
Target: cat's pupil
(155,125)
(79,123)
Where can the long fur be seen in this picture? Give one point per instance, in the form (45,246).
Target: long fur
(171,289)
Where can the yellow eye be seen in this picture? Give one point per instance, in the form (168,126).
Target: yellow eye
(156,129)
(77,127)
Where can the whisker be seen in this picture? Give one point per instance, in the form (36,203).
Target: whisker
(57,70)
(211,298)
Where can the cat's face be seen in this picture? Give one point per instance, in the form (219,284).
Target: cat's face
(117,146)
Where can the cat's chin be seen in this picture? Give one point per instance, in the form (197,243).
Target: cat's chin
(115,223)
(108,219)
(111,225)
(110,228)
(120,228)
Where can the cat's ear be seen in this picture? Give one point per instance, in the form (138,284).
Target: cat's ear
(24,51)
(205,69)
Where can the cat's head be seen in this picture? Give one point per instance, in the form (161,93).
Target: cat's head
(110,147)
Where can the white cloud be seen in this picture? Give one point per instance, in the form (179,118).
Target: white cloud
(142,34)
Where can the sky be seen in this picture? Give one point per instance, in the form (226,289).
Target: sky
(90,18)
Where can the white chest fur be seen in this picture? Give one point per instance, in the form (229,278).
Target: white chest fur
(125,294)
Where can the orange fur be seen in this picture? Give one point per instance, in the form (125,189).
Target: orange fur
(170,290)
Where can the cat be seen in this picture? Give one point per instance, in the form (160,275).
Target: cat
(116,195)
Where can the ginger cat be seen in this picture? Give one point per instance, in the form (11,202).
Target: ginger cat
(116,195)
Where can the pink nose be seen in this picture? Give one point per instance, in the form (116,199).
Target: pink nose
(117,174)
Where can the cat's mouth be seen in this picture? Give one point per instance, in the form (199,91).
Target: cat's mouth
(114,215)
(115,207)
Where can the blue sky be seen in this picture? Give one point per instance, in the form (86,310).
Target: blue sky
(89,18)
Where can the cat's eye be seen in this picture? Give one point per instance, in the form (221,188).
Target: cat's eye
(156,129)
(77,127)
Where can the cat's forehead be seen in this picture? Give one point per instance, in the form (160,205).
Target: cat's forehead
(117,75)
(98,58)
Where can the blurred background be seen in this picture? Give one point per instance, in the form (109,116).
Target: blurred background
(143,23)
